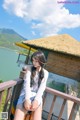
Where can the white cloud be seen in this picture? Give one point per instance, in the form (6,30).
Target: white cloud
(48,15)
(16,7)
(33,33)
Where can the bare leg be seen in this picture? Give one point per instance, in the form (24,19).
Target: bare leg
(20,113)
(38,113)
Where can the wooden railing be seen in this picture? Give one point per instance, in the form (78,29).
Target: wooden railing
(8,90)
(11,95)
(65,97)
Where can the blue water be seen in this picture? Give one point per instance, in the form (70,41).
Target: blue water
(9,69)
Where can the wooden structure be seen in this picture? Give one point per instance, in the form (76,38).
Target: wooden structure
(8,86)
(62,52)
(63,58)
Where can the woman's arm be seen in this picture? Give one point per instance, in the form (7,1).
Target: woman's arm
(42,86)
(27,102)
(27,85)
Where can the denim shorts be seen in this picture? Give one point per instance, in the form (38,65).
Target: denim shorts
(22,99)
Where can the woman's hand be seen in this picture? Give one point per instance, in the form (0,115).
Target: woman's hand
(27,104)
(34,105)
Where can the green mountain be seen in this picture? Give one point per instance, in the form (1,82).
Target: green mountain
(8,37)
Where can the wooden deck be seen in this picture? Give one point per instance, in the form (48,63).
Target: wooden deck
(14,86)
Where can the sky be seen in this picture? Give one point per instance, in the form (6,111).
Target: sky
(40,18)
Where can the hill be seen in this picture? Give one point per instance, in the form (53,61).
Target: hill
(8,37)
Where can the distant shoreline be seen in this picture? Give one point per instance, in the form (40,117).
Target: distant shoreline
(8,49)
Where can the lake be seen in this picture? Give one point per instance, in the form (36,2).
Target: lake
(9,69)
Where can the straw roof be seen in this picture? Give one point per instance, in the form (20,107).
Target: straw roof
(60,43)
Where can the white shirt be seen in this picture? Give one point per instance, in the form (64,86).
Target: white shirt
(27,89)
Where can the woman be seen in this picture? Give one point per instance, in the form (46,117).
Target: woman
(34,85)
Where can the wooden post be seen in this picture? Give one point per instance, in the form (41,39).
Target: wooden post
(27,58)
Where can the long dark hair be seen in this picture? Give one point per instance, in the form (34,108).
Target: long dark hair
(42,60)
